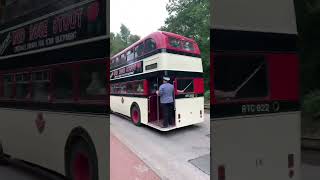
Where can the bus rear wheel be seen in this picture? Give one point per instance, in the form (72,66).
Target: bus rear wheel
(136,115)
(82,163)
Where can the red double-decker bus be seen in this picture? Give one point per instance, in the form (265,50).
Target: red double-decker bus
(53,85)
(137,72)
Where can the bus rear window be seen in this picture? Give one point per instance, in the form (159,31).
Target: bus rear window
(188,46)
(240,77)
(185,85)
(181,44)
(174,42)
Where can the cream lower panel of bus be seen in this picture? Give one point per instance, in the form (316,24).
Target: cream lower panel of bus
(189,110)
(256,148)
(124,107)
(174,62)
(22,140)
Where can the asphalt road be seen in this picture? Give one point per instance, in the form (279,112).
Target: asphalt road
(310,165)
(169,154)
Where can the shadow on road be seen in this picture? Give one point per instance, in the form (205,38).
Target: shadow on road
(175,131)
(28,172)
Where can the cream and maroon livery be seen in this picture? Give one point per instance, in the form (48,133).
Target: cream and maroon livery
(53,103)
(136,74)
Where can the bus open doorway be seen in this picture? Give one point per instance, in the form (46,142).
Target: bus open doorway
(155,112)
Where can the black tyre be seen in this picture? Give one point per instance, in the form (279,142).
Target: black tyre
(136,115)
(82,163)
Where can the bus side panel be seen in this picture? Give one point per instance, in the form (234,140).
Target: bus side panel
(189,110)
(124,107)
(47,149)
(257,147)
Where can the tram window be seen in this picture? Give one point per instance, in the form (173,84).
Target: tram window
(8,85)
(185,85)
(240,77)
(92,80)
(188,46)
(150,45)
(63,83)
(22,85)
(130,55)
(174,42)
(139,50)
(40,86)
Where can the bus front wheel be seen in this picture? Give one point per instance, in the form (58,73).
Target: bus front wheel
(82,163)
(136,115)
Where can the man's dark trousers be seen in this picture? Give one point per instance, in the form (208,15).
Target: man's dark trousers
(167,111)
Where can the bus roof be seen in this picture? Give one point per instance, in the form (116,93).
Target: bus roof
(272,16)
(162,43)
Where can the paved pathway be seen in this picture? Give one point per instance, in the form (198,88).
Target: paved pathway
(125,165)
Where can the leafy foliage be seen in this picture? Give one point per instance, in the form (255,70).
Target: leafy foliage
(311,104)
(119,41)
(190,18)
(308,21)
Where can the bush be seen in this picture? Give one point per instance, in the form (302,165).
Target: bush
(207,97)
(311,105)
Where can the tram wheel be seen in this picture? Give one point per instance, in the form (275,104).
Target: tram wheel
(136,115)
(83,163)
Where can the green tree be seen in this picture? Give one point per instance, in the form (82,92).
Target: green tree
(121,40)
(190,18)
(308,21)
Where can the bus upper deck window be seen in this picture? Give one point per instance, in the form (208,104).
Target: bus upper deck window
(174,42)
(122,58)
(150,45)
(188,46)
(138,50)
(130,55)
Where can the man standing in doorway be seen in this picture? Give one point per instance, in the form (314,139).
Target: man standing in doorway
(166,93)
